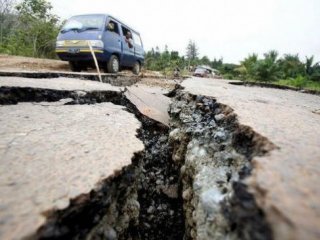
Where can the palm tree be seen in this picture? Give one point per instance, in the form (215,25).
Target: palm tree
(268,68)
(291,66)
(248,65)
(312,69)
(309,65)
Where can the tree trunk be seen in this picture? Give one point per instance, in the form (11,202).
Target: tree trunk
(35,45)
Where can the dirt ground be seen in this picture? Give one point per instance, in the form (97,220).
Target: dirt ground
(18,63)
(31,64)
(8,62)
(168,84)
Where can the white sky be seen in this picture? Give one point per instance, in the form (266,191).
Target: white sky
(221,28)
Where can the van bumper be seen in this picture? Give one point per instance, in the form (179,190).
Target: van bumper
(81,54)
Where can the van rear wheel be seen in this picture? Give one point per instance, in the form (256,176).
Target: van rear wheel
(75,66)
(136,68)
(113,64)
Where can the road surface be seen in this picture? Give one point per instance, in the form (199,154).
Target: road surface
(52,152)
(73,147)
(289,175)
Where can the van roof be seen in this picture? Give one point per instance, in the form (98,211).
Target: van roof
(110,16)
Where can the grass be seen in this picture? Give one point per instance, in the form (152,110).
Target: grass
(299,83)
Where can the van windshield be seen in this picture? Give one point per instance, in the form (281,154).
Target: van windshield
(83,23)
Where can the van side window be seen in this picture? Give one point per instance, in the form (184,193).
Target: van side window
(137,39)
(125,30)
(127,36)
(112,26)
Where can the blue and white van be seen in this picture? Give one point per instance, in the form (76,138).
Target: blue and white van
(115,44)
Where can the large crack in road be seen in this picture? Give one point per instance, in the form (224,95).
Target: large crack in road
(215,153)
(187,184)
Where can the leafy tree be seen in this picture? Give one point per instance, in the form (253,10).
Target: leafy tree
(229,69)
(149,59)
(309,65)
(312,70)
(38,29)
(291,66)
(7,19)
(216,63)
(174,55)
(165,61)
(159,61)
(192,51)
(248,65)
(157,52)
(267,69)
(315,76)
(271,56)
(205,61)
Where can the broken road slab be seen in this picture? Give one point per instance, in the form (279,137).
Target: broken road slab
(113,79)
(68,84)
(150,101)
(53,153)
(285,182)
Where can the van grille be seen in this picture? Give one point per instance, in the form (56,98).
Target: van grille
(75,43)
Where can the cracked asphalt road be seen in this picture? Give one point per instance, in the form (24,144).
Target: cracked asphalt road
(51,153)
(148,99)
(286,181)
(70,84)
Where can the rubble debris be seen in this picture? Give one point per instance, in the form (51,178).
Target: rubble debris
(205,136)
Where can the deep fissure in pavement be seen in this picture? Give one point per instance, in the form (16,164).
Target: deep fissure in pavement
(15,95)
(158,183)
(215,153)
(187,184)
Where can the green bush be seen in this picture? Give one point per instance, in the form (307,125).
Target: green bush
(33,31)
(315,77)
(228,76)
(299,81)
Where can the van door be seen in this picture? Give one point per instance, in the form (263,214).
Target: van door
(112,38)
(128,51)
(138,47)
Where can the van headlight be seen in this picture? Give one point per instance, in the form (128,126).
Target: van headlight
(96,43)
(60,43)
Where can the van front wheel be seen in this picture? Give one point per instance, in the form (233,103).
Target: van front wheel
(136,68)
(113,65)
